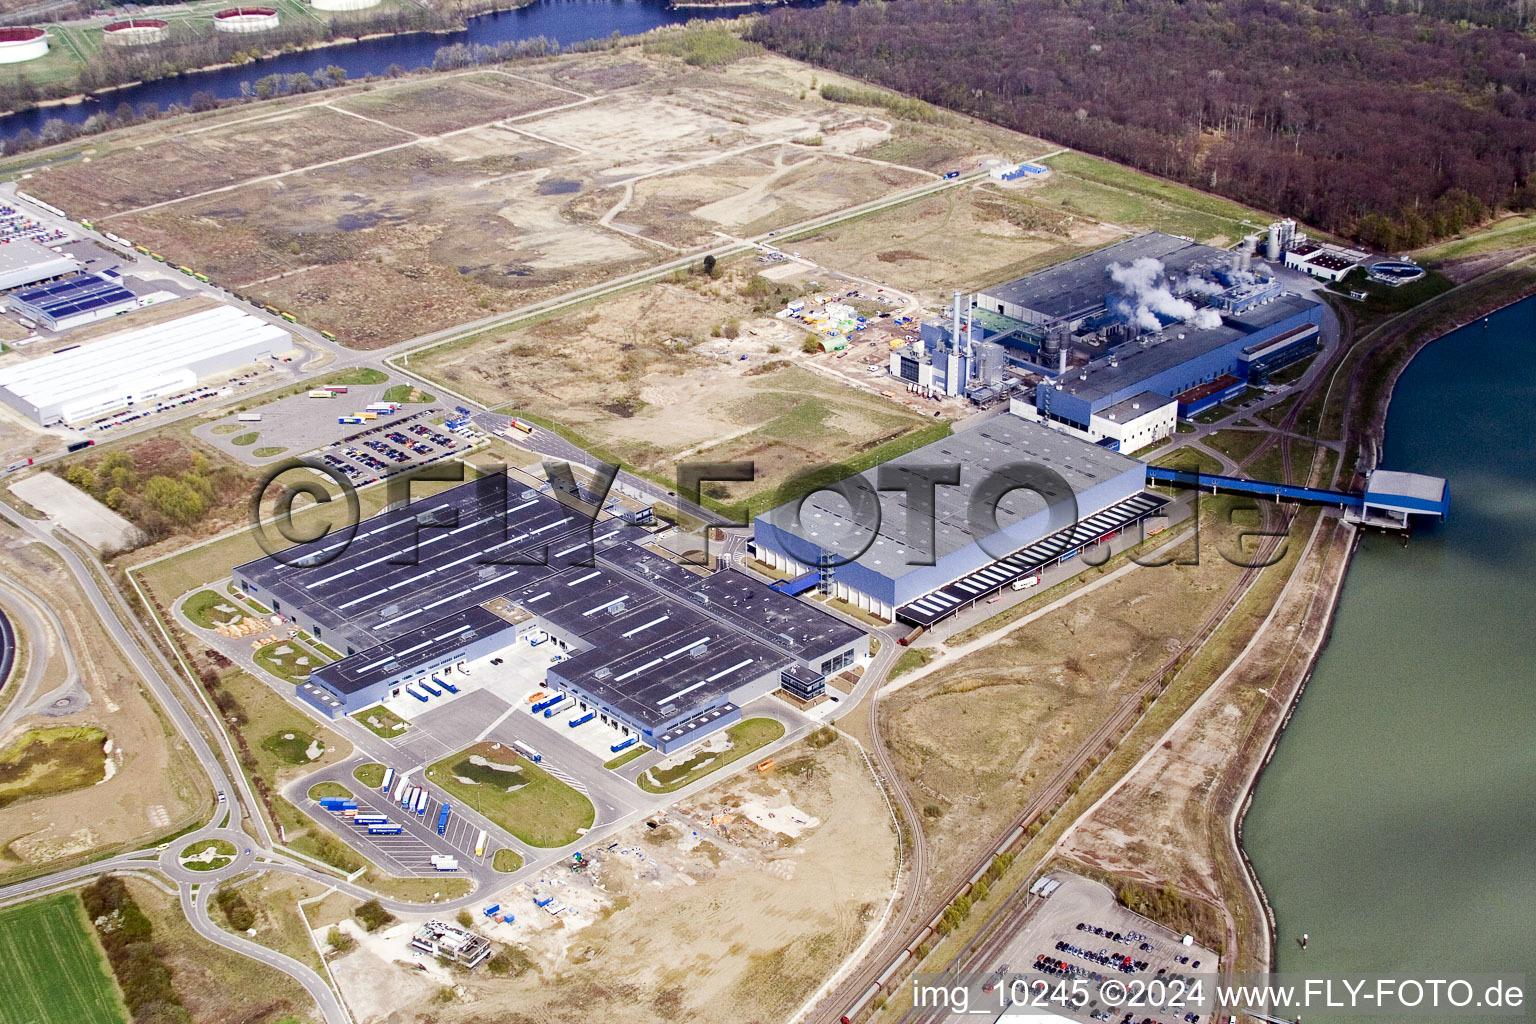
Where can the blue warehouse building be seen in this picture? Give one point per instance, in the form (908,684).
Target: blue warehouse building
(1183,361)
(659,651)
(1027,497)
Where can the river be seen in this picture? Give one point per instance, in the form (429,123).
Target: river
(1396,824)
(564,21)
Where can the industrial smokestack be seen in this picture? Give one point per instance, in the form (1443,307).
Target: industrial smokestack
(954,326)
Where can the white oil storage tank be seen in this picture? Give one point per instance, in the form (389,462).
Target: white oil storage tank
(246,19)
(21,43)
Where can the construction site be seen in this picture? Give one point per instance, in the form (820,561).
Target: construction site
(731,903)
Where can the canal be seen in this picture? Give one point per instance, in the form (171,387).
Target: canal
(563,21)
(1396,824)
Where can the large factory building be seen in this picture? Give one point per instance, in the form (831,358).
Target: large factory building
(1027,497)
(1145,329)
(78,383)
(656,649)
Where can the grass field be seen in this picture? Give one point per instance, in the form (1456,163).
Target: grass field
(516,794)
(321,790)
(745,737)
(46,761)
(507,860)
(54,971)
(626,757)
(203,608)
(223,851)
(1513,232)
(407,394)
(282,659)
(291,747)
(382,722)
(370,775)
(1108,191)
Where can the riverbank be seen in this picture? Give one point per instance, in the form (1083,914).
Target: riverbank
(1384,359)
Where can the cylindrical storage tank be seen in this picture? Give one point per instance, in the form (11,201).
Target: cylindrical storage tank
(135,32)
(22,43)
(246,19)
(1272,250)
(342,5)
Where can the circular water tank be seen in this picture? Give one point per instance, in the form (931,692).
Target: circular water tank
(342,5)
(1396,271)
(135,32)
(22,43)
(246,19)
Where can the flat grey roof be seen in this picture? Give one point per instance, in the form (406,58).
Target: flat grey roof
(1138,363)
(23,254)
(413,647)
(1136,405)
(827,521)
(1079,285)
(1394,483)
(656,632)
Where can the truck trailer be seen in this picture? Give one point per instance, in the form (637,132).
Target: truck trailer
(547,702)
(420,805)
(527,751)
(442,818)
(389,779)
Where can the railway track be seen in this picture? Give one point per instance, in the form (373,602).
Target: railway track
(999,929)
(1013,912)
(886,967)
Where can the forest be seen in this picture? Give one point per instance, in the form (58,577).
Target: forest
(1390,124)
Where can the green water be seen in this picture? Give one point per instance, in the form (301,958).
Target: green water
(1396,824)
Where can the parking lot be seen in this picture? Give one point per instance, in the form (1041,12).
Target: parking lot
(381,445)
(408,853)
(1081,934)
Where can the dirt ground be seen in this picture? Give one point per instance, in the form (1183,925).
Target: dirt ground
(151,787)
(1166,823)
(642,376)
(978,736)
(449,103)
(681,922)
(541,177)
(913,247)
(153,170)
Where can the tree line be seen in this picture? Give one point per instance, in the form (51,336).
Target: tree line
(1380,120)
(128,938)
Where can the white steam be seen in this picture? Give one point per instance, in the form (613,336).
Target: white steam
(1148,295)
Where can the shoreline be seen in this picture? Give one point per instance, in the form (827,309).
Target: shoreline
(1376,431)
(75,99)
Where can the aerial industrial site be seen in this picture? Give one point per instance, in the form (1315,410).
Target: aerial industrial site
(659,530)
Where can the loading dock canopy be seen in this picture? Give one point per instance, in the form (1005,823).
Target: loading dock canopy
(984,582)
(650,638)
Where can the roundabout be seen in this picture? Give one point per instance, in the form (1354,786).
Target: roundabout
(208,856)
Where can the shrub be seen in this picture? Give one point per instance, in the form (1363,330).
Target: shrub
(372,916)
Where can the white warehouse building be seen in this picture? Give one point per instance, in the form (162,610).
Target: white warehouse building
(24,262)
(147,363)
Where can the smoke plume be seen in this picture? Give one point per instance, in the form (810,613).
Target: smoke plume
(1147,294)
